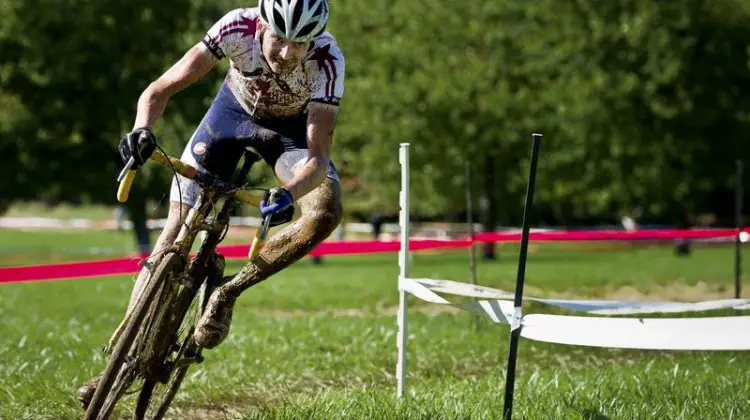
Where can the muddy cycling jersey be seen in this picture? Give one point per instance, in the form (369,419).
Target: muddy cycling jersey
(263,93)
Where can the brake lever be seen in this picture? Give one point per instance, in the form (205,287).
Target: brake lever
(125,170)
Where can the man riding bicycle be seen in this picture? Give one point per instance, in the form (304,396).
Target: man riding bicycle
(280,97)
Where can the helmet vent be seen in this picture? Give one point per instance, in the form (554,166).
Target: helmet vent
(296,14)
(279,21)
(305,31)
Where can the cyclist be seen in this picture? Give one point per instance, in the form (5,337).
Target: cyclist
(281,96)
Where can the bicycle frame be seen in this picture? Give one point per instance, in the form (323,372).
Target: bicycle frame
(156,318)
(212,187)
(204,179)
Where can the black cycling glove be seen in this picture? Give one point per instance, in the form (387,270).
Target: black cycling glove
(138,144)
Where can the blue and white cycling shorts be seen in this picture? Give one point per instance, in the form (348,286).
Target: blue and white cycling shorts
(226,130)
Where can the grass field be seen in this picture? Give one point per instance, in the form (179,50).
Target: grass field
(61,210)
(319,341)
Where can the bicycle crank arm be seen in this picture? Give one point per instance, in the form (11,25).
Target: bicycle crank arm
(189,361)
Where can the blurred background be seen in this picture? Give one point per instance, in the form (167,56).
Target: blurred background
(644,106)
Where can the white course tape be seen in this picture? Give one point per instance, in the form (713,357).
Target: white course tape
(715,333)
(720,333)
(463,289)
(499,311)
(418,290)
(517,318)
(599,307)
(617,307)
(676,307)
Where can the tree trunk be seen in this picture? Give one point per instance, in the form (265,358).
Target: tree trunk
(136,206)
(488,205)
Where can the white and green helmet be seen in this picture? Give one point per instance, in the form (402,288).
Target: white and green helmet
(295,20)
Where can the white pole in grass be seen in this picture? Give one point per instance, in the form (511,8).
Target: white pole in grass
(403,263)
(470,225)
(738,198)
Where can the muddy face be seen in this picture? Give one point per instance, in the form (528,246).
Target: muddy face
(282,55)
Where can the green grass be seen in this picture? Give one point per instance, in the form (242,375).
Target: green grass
(39,246)
(319,342)
(60,211)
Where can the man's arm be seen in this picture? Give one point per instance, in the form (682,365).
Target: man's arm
(321,122)
(192,66)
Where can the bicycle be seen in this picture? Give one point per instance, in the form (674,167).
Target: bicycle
(154,345)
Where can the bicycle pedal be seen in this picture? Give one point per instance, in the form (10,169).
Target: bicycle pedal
(185,281)
(161,373)
(192,358)
(195,359)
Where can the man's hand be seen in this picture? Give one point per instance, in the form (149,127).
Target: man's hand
(138,144)
(277,200)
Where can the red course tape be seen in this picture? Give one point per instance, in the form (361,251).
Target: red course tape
(130,265)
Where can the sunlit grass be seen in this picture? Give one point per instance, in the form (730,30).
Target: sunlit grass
(320,342)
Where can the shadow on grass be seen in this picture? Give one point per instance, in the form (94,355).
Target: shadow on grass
(591,414)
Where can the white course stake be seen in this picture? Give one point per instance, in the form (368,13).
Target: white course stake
(403,263)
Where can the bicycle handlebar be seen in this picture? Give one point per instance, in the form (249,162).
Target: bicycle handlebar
(123,191)
(127,175)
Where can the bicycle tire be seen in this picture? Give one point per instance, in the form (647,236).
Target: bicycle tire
(175,381)
(121,350)
(172,384)
(186,348)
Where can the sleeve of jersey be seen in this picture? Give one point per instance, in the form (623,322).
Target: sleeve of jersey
(225,38)
(330,86)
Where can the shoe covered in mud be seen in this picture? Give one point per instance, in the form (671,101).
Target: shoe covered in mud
(213,327)
(86,392)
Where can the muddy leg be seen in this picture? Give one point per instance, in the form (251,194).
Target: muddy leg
(321,213)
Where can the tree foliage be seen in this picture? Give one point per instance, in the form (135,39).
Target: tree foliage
(71,73)
(641,103)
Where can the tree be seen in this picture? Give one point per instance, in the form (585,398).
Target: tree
(634,108)
(70,76)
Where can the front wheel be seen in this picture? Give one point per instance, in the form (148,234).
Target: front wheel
(122,367)
(155,397)
(160,389)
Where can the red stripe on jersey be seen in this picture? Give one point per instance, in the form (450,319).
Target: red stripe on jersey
(244,26)
(330,79)
(325,61)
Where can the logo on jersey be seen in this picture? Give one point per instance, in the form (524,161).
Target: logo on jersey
(200,148)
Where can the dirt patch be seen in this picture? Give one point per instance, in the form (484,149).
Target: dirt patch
(208,412)
(674,292)
(353,312)
(677,292)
